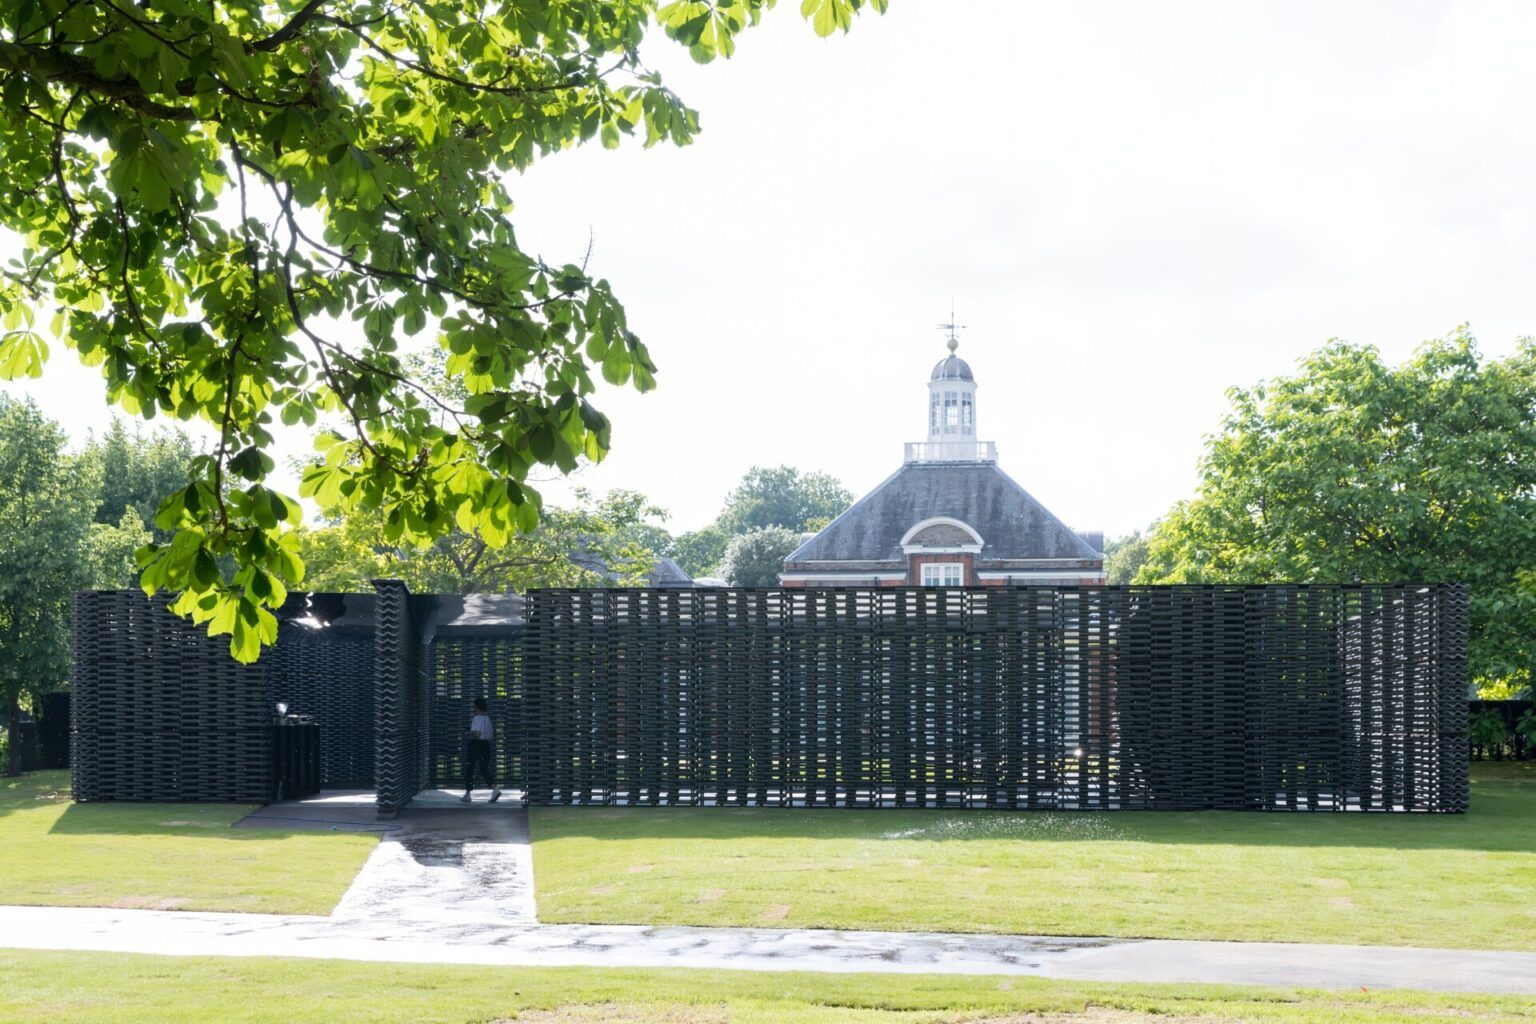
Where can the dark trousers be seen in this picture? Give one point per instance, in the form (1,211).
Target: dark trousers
(479,756)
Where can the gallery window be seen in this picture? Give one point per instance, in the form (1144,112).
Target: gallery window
(943,574)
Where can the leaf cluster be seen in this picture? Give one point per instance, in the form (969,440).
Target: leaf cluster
(45,521)
(1352,469)
(241,210)
(592,543)
(755,558)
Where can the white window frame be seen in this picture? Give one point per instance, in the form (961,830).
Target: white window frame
(943,574)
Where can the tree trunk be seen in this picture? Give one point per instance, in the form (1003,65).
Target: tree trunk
(13,735)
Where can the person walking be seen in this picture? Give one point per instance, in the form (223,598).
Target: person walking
(481,733)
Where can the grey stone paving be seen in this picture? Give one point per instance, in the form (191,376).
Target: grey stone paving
(441,868)
(450,884)
(762,949)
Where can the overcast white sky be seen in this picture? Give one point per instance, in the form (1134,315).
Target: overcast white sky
(1134,205)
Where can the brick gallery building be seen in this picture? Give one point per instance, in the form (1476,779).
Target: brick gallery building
(949,517)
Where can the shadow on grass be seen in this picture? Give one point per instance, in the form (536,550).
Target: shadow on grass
(33,790)
(48,791)
(201,820)
(1502,819)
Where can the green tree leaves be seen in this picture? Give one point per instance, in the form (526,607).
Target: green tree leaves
(827,16)
(1124,557)
(1352,469)
(755,558)
(243,212)
(45,517)
(783,496)
(22,354)
(134,471)
(597,542)
(700,552)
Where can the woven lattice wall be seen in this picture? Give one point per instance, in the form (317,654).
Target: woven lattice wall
(161,712)
(1277,697)
(1280,697)
(328,676)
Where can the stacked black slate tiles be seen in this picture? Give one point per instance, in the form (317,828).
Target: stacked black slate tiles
(160,712)
(1061,698)
(327,675)
(1241,698)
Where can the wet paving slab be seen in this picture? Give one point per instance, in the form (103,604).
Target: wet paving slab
(441,866)
(448,872)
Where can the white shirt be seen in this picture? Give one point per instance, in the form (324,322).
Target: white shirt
(480,727)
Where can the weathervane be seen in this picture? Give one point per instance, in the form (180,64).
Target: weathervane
(952,328)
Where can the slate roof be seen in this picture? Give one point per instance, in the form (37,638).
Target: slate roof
(664,571)
(1012,524)
(668,573)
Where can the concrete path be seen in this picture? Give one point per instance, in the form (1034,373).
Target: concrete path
(441,868)
(763,949)
(450,884)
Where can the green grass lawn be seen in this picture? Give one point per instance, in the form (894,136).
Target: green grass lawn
(1464,881)
(165,856)
(108,988)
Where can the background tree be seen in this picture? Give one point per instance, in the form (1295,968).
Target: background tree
(238,209)
(45,515)
(1424,472)
(783,496)
(1124,556)
(590,544)
(700,552)
(108,559)
(645,533)
(755,558)
(135,470)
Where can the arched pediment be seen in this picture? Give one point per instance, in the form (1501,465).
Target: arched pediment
(941,533)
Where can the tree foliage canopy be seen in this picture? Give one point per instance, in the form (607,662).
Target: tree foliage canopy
(1124,557)
(237,209)
(135,470)
(45,516)
(755,558)
(783,496)
(1353,469)
(701,551)
(592,543)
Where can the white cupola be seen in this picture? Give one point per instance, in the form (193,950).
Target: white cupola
(951,414)
(951,399)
